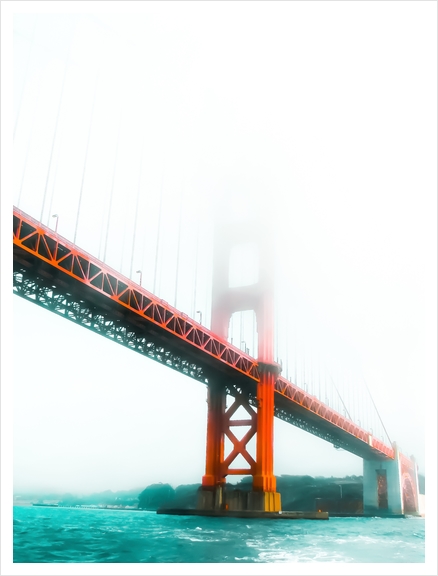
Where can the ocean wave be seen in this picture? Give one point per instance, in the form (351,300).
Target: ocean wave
(53,536)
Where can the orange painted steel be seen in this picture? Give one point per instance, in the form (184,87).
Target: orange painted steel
(329,417)
(264,479)
(227,300)
(291,403)
(409,476)
(219,425)
(239,446)
(215,439)
(33,237)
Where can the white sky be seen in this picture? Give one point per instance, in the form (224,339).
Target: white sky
(325,114)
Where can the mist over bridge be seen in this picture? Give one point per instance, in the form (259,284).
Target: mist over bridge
(56,274)
(120,155)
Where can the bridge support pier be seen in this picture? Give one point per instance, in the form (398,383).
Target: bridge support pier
(390,487)
(210,497)
(216,399)
(264,496)
(227,300)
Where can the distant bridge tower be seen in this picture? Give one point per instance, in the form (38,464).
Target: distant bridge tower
(226,300)
(390,487)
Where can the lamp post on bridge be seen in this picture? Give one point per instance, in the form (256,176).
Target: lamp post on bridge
(200,315)
(141,275)
(56,223)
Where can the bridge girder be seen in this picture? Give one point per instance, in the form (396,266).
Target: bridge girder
(55,274)
(62,303)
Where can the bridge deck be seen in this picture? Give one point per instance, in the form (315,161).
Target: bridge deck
(56,274)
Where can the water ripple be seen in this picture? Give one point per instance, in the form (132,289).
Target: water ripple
(103,536)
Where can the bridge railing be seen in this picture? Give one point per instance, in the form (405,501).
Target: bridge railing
(43,243)
(313,404)
(35,238)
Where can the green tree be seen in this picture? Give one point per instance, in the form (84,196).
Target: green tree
(155,496)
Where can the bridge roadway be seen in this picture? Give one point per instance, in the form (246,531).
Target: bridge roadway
(56,274)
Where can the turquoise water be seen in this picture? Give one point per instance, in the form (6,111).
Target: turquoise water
(84,535)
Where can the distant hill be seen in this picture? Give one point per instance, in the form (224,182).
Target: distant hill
(297,493)
(105,498)
(163,495)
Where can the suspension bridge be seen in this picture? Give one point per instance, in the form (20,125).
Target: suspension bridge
(58,275)
(109,237)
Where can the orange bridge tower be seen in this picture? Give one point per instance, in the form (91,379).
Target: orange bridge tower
(258,401)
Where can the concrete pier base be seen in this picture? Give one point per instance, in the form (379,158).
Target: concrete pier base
(382,487)
(264,501)
(247,514)
(221,499)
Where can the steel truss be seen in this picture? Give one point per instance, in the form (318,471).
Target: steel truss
(335,422)
(301,420)
(55,274)
(80,313)
(241,398)
(35,240)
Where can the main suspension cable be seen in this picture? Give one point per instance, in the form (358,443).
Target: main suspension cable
(378,414)
(340,397)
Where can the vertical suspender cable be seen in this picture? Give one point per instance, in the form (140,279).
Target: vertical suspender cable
(277,332)
(25,74)
(54,139)
(102,223)
(207,301)
(319,376)
(340,398)
(304,366)
(364,409)
(196,268)
(231,330)
(286,340)
(359,414)
(367,411)
(345,387)
(136,208)
(241,338)
(254,328)
(331,396)
(145,238)
(86,158)
(310,386)
(179,241)
(49,215)
(158,234)
(123,244)
(357,404)
(112,186)
(295,355)
(28,146)
(53,192)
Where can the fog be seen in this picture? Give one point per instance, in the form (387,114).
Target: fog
(321,114)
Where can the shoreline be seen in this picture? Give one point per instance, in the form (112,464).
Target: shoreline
(193,512)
